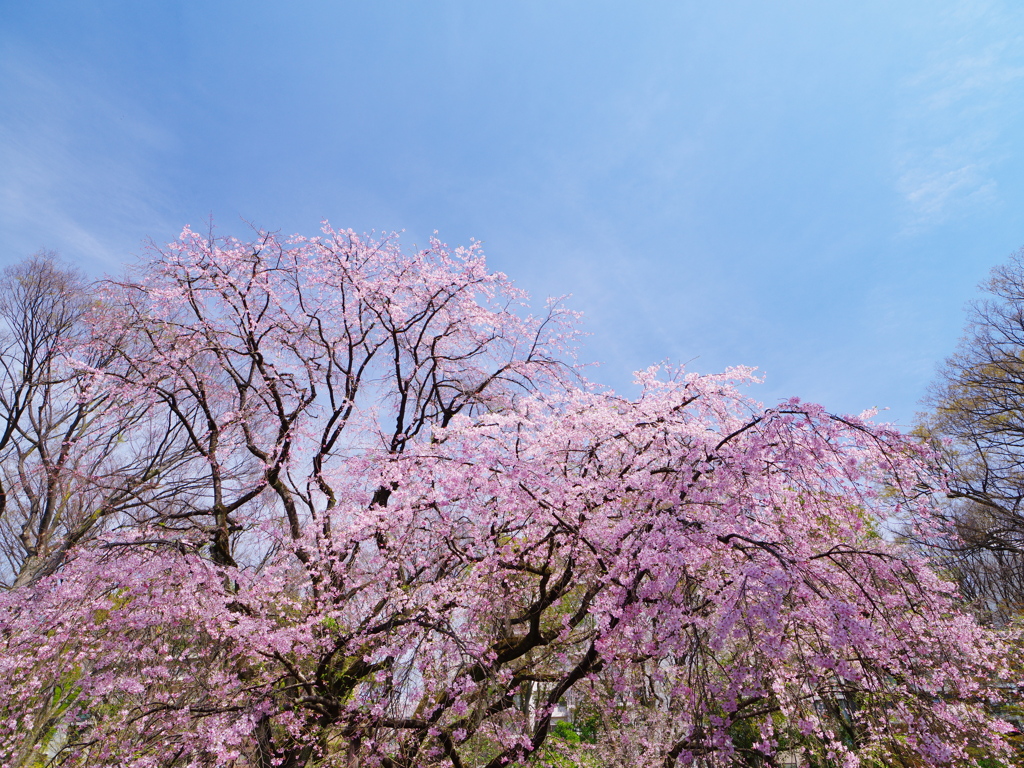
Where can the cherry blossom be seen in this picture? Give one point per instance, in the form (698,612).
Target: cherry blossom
(407,529)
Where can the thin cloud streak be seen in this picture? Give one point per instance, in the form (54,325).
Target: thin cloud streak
(81,168)
(955,133)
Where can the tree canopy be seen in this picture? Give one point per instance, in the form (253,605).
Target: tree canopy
(324,502)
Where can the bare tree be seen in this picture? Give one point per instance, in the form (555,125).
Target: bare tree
(73,454)
(977,421)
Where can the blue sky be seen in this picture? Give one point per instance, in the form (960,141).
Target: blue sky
(812,188)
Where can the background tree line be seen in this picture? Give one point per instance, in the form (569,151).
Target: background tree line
(977,422)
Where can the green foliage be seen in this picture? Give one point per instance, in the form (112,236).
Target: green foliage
(566,732)
(567,748)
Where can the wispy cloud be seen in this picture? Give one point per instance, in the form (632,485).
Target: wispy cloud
(91,194)
(961,108)
(939,185)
